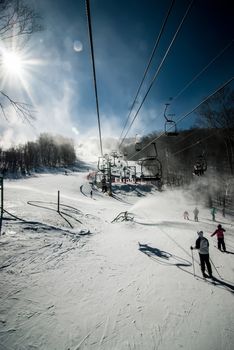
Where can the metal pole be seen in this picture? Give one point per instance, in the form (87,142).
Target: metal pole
(110,184)
(58,210)
(1,217)
(1,182)
(193,263)
(215,268)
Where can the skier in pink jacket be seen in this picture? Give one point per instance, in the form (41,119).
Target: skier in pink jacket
(219,232)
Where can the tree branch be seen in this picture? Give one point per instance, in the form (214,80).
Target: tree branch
(24,111)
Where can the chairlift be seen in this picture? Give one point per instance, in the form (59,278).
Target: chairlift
(102,164)
(200,166)
(170,125)
(151,168)
(138,144)
(170,128)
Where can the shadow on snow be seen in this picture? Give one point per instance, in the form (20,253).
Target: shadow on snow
(166,258)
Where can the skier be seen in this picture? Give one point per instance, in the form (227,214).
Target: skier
(213,212)
(196,212)
(219,232)
(91,193)
(223,212)
(186,215)
(202,244)
(104,186)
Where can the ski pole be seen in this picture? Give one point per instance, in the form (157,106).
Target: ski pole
(215,268)
(193,263)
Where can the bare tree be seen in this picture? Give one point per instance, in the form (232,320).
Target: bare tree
(17,23)
(23,110)
(218,113)
(17,20)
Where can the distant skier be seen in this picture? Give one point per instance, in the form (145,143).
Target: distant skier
(223,212)
(186,215)
(213,212)
(220,236)
(91,194)
(196,212)
(202,244)
(104,185)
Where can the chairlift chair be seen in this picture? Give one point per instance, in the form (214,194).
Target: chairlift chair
(170,128)
(138,143)
(200,166)
(170,125)
(153,166)
(138,146)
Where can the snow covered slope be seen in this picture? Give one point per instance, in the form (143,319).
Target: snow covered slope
(75,280)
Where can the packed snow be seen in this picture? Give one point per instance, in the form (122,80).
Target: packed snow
(79,279)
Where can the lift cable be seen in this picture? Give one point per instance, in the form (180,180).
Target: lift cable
(194,144)
(186,136)
(198,74)
(158,70)
(94,71)
(148,65)
(184,116)
(204,69)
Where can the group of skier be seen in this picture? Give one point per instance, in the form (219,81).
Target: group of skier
(202,244)
(196,212)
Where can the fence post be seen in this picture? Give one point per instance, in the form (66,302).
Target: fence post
(1,214)
(58,210)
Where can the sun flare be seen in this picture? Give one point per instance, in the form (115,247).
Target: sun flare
(13,63)
(17,69)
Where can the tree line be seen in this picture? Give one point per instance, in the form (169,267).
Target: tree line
(47,151)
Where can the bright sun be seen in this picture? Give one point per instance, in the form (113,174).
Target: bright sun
(12,63)
(17,68)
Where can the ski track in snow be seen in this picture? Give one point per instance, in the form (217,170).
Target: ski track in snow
(77,281)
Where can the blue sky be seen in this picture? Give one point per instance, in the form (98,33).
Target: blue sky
(124,33)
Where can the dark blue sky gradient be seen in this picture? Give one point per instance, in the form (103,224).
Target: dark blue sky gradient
(124,33)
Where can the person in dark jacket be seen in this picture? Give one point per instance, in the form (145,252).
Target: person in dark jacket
(202,244)
(219,232)
(196,212)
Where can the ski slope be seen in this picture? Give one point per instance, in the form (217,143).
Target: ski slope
(76,280)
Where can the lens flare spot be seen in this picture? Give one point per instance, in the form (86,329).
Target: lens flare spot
(77,46)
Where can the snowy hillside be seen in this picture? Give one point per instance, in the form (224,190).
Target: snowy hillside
(76,280)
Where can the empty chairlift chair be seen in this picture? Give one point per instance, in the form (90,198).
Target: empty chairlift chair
(151,169)
(170,125)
